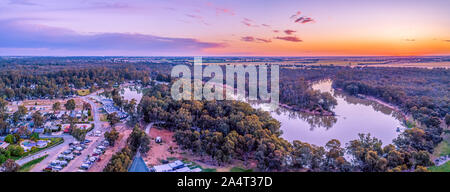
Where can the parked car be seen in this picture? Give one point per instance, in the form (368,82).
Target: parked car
(101,147)
(57,168)
(48,169)
(62,163)
(93,159)
(69,157)
(85,166)
(54,163)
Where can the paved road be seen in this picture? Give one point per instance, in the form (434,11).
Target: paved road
(55,151)
(52,154)
(78,161)
(147,129)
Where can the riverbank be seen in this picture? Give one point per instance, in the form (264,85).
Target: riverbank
(309,112)
(393,107)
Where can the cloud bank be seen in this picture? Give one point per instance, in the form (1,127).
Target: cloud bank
(16,35)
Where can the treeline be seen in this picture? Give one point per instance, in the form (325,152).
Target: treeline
(298,94)
(15,85)
(120,162)
(296,90)
(37,77)
(232,130)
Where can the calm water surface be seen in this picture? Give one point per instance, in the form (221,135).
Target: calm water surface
(132,92)
(353,116)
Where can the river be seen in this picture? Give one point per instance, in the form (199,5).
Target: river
(353,115)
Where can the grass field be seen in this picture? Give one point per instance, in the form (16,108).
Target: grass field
(193,165)
(103,117)
(83,92)
(442,149)
(27,166)
(443,168)
(239,169)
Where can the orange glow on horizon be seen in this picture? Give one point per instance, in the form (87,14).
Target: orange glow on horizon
(402,47)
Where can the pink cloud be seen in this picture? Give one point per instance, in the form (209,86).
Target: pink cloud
(198,18)
(296,14)
(304,20)
(220,10)
(289,31)
(289,38)
(253,39)
(248,39)
(248,22)
(301,19)
(224,11)
(264,40)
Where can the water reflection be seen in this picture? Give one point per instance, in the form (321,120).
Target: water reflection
(132,92)
(353,115)
(314,121)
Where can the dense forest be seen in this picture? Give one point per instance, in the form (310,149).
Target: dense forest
(137,141)
(37,77)
(423,93)
(233,130)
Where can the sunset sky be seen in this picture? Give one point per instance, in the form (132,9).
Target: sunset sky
(224,27)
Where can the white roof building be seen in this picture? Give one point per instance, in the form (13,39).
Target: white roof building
(162,168)
(184,169)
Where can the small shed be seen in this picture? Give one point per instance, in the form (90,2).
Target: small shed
(158,140)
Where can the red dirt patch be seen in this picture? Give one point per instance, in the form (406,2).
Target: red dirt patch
(161,151)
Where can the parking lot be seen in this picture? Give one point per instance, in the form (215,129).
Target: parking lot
(79,156)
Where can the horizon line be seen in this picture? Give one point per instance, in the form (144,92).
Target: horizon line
(222,56)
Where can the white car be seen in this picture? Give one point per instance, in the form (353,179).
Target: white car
(92,159)
(85,166)
(54,163)
(69,157)
(101,147)
(57,168)
(63,163)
